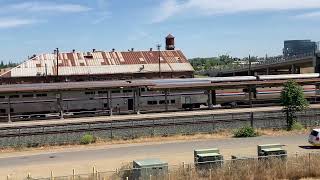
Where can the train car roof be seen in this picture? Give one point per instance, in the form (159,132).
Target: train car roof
(188,83)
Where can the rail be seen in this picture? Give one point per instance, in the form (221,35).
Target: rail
(54,133)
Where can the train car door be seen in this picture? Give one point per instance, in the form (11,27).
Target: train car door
(130,104)
(187,100)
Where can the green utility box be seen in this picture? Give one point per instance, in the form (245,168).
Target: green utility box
(143,169)
(271,150)
(208,158)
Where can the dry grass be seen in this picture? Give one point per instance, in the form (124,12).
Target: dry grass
(301,167)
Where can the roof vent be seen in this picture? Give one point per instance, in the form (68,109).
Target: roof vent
(113,49)
(151,49)
(93,50)
(73,50)
(132,49)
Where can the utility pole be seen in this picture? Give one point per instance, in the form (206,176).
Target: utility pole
(249,70)
(57,51)
(159,46)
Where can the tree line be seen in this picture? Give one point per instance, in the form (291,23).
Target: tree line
(7,65)
(223,61)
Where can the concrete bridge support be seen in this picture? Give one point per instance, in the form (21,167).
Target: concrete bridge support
(294,69)
(316,63)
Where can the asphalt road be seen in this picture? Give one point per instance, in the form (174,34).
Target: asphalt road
(109,157)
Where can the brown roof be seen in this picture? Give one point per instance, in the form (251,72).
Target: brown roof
(100,62)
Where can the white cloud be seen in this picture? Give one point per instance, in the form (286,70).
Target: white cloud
(102,16)
(46,7)
(309,15)
(138,35)
(15,22)
(171,8)
(102,12)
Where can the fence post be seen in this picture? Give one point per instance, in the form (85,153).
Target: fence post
(132,134)
(51,176)
(111,130)
(251,119)
(73,174)
(309,164)
(150,177)
(93,172)
(210,175)
(29,176)
(8,177)
(169,177)
(153,128)
(213,123)
(127,178)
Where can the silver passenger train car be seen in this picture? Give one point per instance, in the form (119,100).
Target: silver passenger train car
(123,100)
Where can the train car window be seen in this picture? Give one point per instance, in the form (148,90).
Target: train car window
(27,95)
(105,105)
(102,92)
(143,89)
(173,101)
(89,92)
(152,102)
(11,110)
(14,96)
(127,90)
(163,102)
(115,91)
(41,95)
(2,111)
(2,97)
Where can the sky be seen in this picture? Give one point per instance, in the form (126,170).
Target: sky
(203,28)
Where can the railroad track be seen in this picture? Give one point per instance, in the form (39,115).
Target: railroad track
(113,125)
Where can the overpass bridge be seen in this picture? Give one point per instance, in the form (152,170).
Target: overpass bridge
(305,63)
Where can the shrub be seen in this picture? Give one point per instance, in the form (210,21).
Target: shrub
(87,139)
(245,131)
(297,126)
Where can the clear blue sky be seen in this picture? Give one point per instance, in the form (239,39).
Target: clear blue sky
(202,27)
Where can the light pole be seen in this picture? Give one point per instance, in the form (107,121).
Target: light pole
(159,58)
(57,59)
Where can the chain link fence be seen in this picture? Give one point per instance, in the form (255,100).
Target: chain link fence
(131,129)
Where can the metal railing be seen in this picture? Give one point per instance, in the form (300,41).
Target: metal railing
(40,135)
(265,62)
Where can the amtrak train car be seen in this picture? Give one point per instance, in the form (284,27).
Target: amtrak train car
(123,101)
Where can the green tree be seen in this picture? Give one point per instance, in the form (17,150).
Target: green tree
(292,100)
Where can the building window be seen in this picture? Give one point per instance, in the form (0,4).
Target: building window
(42,95)
(14,96)
(3,111)
(2,97)
(89,92)
(27,95)
(173,101)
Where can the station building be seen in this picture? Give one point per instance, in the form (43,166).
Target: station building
(101,65)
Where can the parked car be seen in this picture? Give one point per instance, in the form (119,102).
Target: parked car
(314,137)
